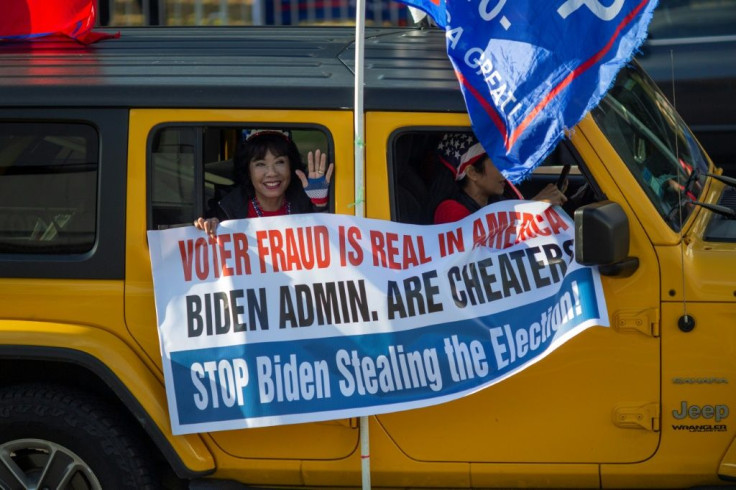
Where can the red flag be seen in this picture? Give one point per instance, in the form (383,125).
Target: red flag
(31,19)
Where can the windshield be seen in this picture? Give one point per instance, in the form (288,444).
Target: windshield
(654,143)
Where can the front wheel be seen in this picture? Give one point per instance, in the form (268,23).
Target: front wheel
(59,438)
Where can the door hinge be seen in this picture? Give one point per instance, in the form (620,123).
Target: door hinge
(643,321)
(629,416)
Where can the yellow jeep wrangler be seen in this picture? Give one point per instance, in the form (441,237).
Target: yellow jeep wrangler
(101,143)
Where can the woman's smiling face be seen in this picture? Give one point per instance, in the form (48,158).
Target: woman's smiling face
(270,176)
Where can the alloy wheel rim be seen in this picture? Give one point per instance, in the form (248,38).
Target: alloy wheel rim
(37,464)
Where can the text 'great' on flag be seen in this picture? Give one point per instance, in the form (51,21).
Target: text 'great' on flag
(530,69)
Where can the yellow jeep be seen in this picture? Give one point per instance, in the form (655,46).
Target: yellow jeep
(99,144)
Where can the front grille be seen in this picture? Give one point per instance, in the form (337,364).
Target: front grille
(720,228)
(728,198)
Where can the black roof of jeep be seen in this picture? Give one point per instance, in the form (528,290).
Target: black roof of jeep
(233,67)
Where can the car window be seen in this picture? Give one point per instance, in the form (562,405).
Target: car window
(48,188)
(654,143)
(419,181)
(191,168)
(693,18)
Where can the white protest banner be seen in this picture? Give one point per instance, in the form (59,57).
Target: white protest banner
(314,317)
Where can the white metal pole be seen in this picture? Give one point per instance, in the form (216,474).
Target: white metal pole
(359,147)
(359,117)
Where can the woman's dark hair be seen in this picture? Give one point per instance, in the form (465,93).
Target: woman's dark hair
(256,148)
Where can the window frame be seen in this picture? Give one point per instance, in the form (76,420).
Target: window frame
(199,158)
(543,173)
(106,257)
(39,173)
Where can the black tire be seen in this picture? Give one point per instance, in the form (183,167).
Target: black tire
(71,440)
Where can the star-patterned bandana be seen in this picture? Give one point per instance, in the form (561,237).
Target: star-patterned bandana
(459,150)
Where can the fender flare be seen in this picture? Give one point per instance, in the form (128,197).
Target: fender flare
(187,455)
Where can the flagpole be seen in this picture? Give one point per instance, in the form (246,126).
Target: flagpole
(359,150)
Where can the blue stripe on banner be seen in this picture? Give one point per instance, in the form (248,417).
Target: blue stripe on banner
(374,370)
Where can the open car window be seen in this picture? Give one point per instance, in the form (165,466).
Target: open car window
(191,167)
(418,180)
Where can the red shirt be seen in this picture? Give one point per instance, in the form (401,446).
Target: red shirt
(450,211)
(282,211)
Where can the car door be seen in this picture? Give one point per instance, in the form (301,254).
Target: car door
(595,399)
(178,163)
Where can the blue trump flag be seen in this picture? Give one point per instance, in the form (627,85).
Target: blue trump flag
(530,69)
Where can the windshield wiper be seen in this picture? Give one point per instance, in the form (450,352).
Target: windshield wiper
(694,177)
(722,210)
(728,213)
(716,208)
(726,180)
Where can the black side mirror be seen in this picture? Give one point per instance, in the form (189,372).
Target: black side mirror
(602,239)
